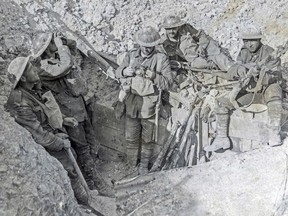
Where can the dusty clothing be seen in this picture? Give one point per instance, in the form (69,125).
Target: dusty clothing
(63,78)
(32,117)
(172,48)
(264,51)
(141,101)
(56,75)
(139,128)
(79,137)
(271,93)
(144,106)
(56,68)
(271,89)
(188,46)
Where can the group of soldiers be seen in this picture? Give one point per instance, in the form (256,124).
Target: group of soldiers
(47,95)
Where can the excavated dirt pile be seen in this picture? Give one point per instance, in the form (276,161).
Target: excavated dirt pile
(32,181)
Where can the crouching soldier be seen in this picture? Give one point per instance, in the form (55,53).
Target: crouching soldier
(261,84)
(148,72)
(41,116)
(60,73)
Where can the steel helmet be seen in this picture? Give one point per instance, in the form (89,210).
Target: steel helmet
(252,35)
(172,22)
(40,43)
(16,69)
(148,37)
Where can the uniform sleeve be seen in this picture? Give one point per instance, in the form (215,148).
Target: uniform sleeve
(272,63)
(25,116)
(123,65)
(188,47)
(53,70)
(164,77)
(242,56)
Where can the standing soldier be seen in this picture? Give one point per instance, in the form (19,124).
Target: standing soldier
(41,116)
(60,73)
(258,59)
(149,73)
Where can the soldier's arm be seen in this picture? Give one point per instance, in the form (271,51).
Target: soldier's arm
(243,56)
(164,79)
(188,47)
(272,62)
(51,71)
(123,65)
(25,116)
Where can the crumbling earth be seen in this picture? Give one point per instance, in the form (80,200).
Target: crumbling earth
(33,183)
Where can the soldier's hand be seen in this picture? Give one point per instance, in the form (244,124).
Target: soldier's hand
(129,71)
(67,144)
(58,39)
(62,135)
(70,121)
(201,51)
(150,74)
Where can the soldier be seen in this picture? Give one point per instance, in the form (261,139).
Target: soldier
(60,73)
(41,116)
(149,72)
(183,42)
(257,59)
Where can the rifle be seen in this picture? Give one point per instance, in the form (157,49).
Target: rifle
(159,160)
(157,112)
(105,62)
(186,66)
(184,126)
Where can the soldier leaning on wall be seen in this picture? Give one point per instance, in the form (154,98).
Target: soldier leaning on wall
(41,116)
(147,72)
(253,57)
(182,42)
(60,73)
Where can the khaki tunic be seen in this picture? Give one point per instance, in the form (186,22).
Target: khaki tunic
(144,106)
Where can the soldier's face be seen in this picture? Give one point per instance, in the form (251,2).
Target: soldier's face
(252,45)
(30,74)
(50,51)
(146,50)
(172,32)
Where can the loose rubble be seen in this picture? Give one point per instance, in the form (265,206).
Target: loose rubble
(109,27)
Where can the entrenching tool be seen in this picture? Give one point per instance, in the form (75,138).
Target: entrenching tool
(79,173)
(83,182)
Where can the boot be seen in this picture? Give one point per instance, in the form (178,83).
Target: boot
(221,140)
(87,165)
(132,153)
(146,152)
(80,193)
(274,113)
(103,188)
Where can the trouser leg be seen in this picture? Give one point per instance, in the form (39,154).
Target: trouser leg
(147,144)
(79,191)
(273,97)
(82,137)
(91,136)
(132,134)
(78,140)
(221,140)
